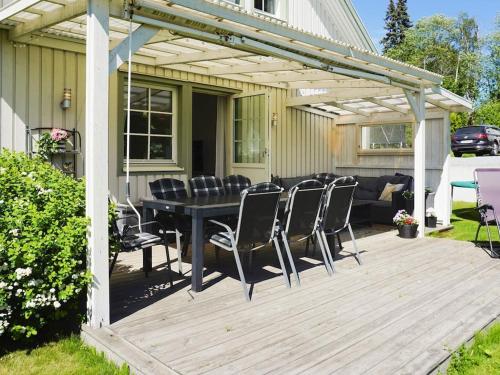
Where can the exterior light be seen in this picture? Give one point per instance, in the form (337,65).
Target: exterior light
(274,120)
(66,102)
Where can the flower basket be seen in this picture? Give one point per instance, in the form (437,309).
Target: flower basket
(408,230)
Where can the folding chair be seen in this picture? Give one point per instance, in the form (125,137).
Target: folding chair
(335,215)
(488,201)
(302,214)
(256,227)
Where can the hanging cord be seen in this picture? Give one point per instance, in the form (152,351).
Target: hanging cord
(129,86)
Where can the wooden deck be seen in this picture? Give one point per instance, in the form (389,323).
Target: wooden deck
(401,312)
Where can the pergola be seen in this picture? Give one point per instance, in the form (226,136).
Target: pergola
(218,38)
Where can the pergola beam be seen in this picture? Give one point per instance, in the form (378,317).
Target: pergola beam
(384,103)
(255,68)
(186,58)
(350,108)
(16,7)
(139,37)
(69,11)
(346,94)
(335,84)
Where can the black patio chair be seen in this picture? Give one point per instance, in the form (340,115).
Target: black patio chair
(336,214)
(256,227)
(235,184)
(132,235)
(206,186)
(488,202)
(325,178)
(171,188)
(302,214)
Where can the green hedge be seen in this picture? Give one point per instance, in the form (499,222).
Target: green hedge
(43,277)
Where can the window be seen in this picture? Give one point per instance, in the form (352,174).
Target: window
(249,135)
(268,6)
(152,123)
(237,2)
(386,137)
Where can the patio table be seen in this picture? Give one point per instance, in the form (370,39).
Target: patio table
(199,208)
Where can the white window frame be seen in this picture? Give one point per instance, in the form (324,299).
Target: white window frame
(385,151)
(142,164)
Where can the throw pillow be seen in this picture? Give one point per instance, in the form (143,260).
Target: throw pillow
(386,194)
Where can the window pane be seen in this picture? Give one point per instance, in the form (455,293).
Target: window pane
(249,131)
(269,6)
(139,98)
(161,148)
(386,137)
(138,122)
(161,124)
(161,100)
(138,146)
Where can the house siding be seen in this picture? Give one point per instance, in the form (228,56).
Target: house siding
(33,78)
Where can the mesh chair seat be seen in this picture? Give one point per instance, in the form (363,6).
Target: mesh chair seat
(206,186)
(235,184)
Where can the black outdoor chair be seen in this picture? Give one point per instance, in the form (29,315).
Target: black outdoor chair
(256,227)
(302,214)
(335,215)
(133,235)
(206,186)
(235,184)
(325,178)
(488,202)
(171,188)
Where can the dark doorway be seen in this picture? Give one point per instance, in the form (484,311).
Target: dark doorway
(204,134)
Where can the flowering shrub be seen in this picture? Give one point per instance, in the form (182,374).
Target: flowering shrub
(43,275)
(403,218)
(58,134)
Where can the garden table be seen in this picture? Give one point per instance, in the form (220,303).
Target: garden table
(199,208)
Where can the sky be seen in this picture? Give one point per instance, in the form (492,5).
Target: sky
(372,12)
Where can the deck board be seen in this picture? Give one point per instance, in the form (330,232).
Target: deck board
(400,312)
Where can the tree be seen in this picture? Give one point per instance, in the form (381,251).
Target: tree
(491,76)
(403,21)
(390,39)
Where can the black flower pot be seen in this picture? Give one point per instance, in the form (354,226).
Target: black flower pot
(408,230)
(431,221)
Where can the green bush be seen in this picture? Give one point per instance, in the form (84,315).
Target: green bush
(43,277)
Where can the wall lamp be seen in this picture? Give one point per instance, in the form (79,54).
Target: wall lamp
(66,102)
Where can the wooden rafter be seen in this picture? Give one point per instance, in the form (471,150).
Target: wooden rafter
(16,7)
(384,103)
(348,107)
(185,58)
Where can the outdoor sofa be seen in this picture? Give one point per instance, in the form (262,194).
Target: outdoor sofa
(367,194)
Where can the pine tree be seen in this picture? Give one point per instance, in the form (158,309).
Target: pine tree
(390,39)
(403,21)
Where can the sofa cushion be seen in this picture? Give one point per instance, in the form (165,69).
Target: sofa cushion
(367,188)
(386,194)
(383,180)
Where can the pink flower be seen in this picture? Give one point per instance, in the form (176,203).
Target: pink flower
(58,134)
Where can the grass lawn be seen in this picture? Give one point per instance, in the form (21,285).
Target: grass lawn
(64,357)
(465,219)
(481,358)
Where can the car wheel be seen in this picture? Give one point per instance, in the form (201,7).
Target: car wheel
(494,151)
(457,154)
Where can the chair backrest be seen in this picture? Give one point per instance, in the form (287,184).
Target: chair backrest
(325,178)
(257,218)
(206,186)
(303,207)
(122,223)
(235,184)
(338,202)
(488,187)
(168,188)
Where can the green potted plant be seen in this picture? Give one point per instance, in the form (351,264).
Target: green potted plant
(409,202)
(407,224)
(52,143)
(430,218)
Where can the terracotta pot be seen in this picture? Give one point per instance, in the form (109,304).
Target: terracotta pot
(408,230)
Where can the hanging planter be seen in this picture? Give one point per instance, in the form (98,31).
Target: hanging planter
(407,224)
(53,143)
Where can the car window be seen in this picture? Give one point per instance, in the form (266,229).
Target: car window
(469,130)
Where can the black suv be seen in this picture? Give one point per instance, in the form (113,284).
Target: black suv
(479,140)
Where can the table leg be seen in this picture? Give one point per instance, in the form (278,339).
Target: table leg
(197,242)
(147,254)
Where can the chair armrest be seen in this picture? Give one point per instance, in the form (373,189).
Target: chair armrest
(398,201)
(225,226)
(485,207)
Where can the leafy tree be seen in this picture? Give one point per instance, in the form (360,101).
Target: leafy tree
(390,39)
(491,75)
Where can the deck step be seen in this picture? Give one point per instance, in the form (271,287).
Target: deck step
(120,351)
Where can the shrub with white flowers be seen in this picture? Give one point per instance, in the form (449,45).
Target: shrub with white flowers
(43,277)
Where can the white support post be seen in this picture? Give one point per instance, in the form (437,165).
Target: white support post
(445,177)
(417,104)
(96,159)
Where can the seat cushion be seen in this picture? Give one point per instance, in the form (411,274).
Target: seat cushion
(140,241)
(367,188)
(386,194)
(382,181)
